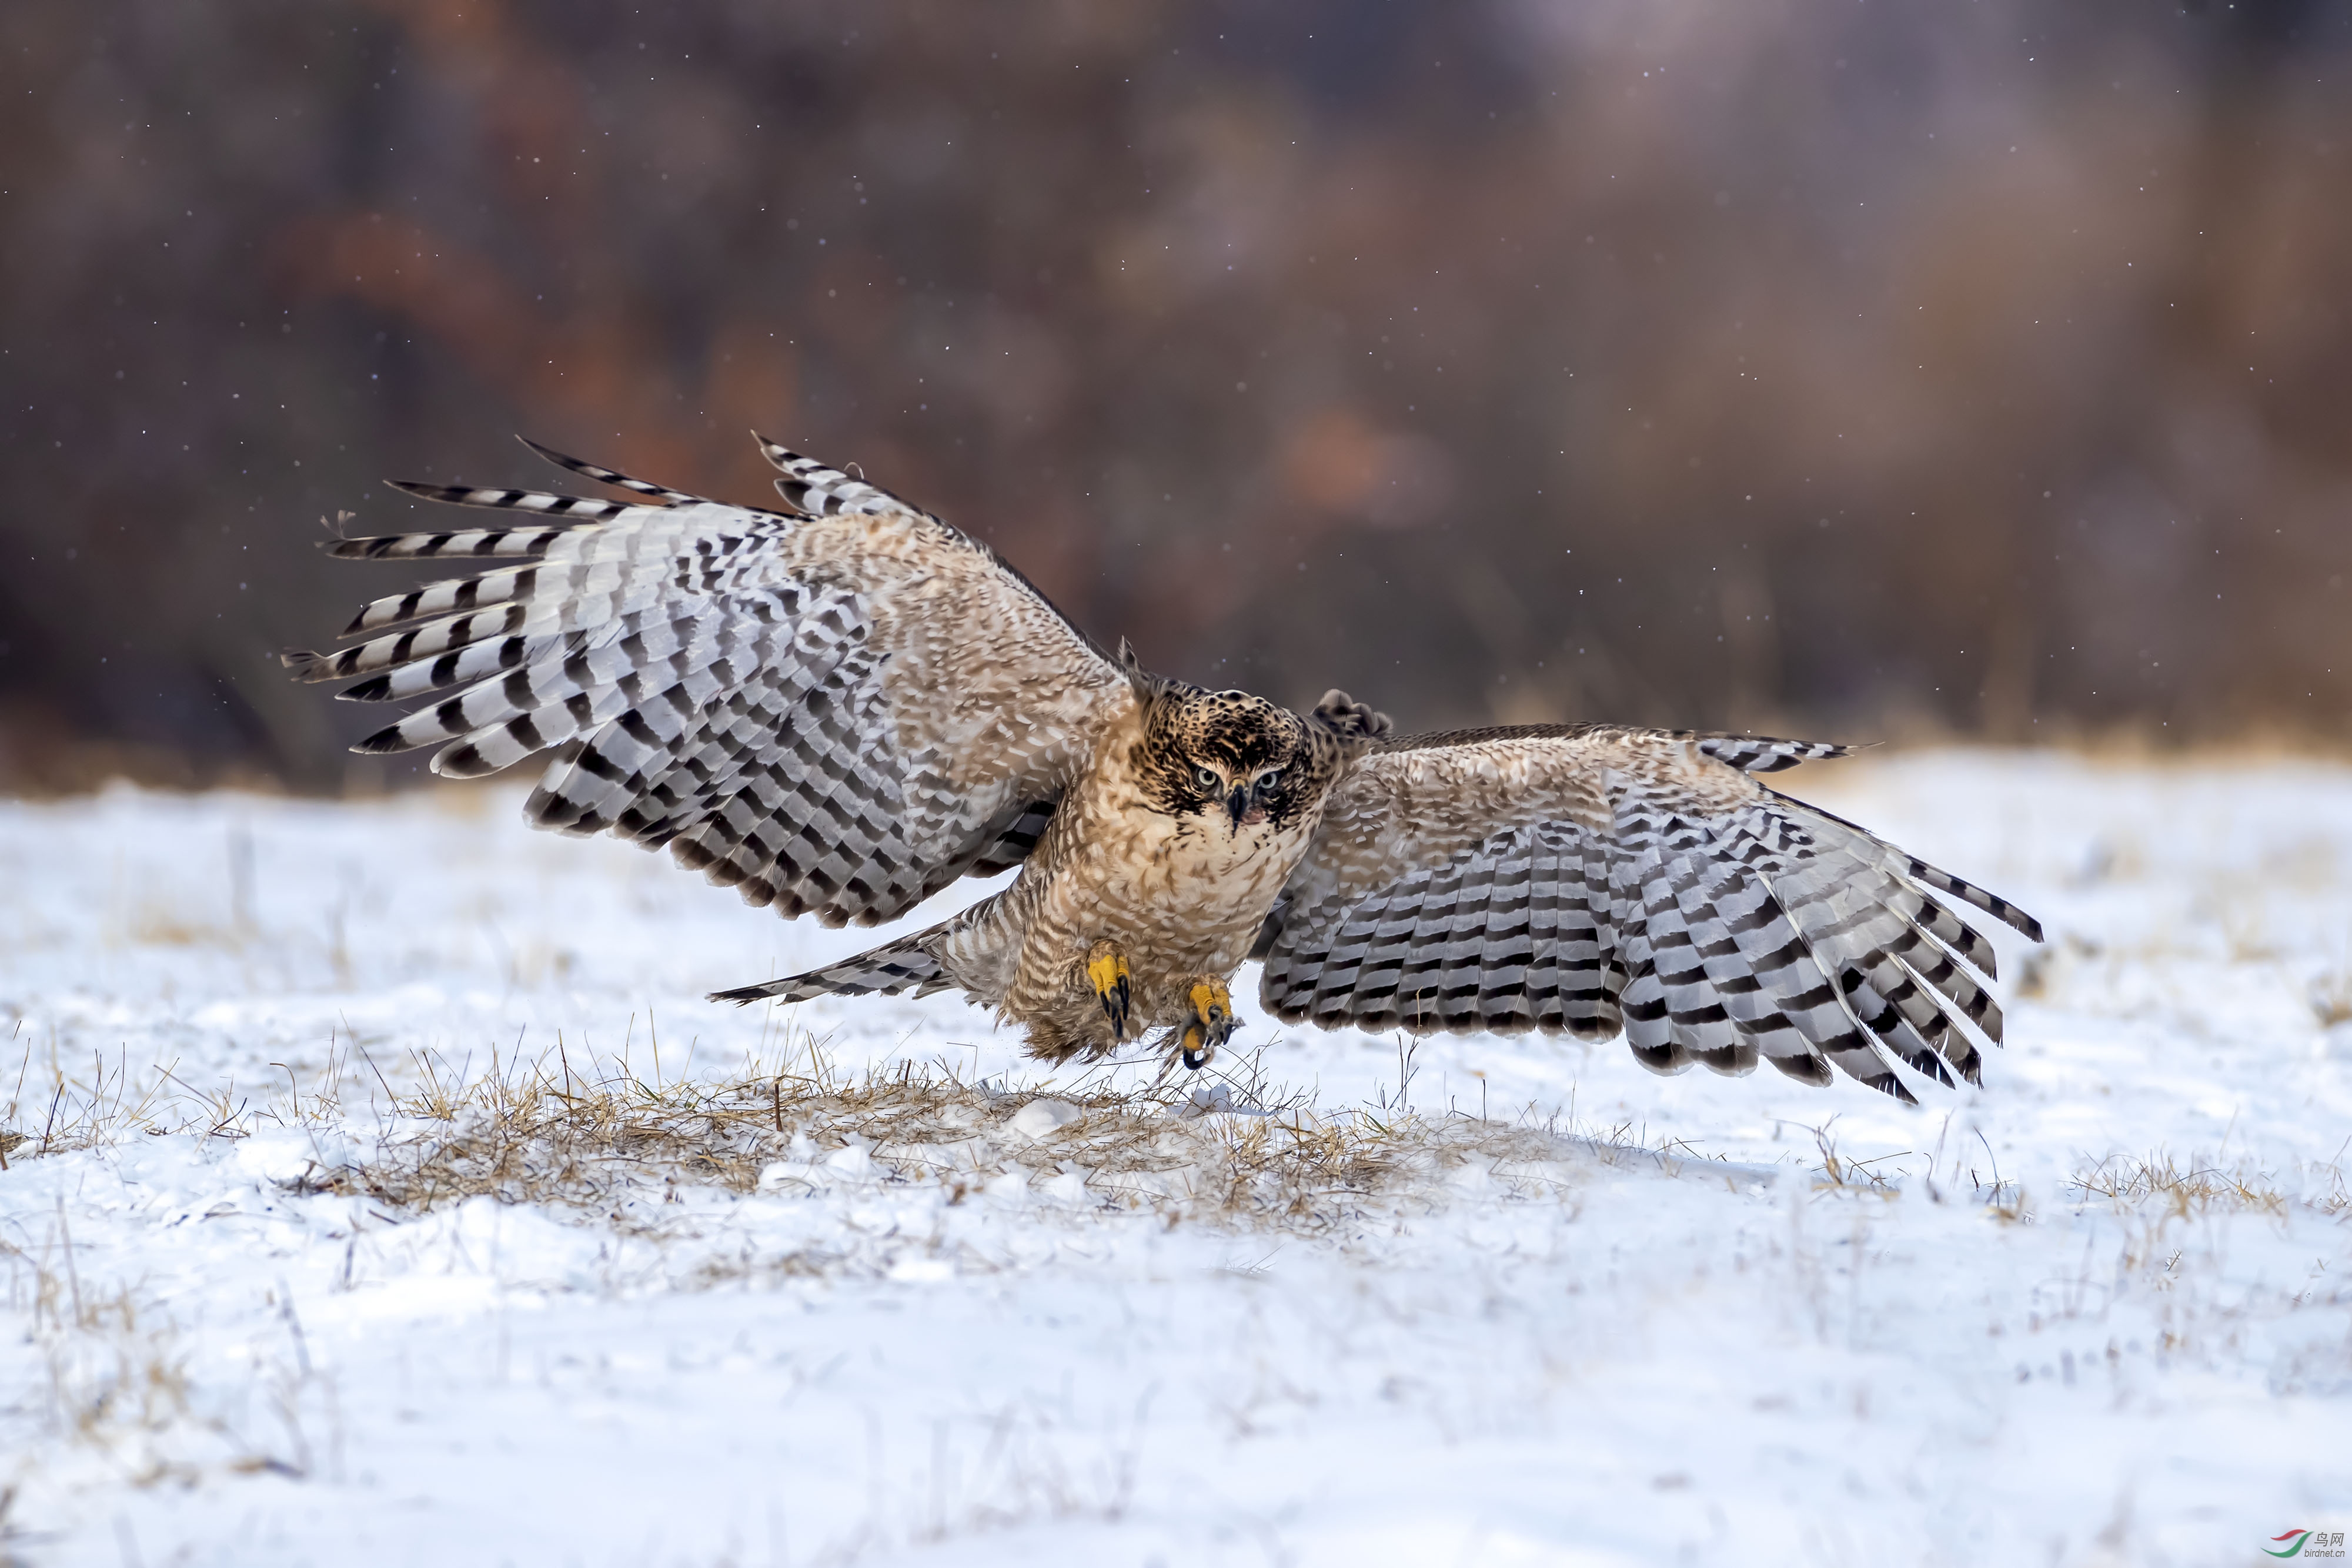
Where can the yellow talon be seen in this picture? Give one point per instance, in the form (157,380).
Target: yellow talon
(1211,1024)
(1107,968)
(1107,972)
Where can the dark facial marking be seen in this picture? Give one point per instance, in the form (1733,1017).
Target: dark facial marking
(1232,758)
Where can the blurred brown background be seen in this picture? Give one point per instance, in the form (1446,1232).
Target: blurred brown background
(1868,370)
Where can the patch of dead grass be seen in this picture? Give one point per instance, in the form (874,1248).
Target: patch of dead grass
(2132,1183)
(64,1108)
(2331,998)
(584,1135)
(547,1134)
(1221,1146)
(115,1373)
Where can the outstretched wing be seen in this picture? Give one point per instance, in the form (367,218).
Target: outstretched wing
(1590,878)
(839,709)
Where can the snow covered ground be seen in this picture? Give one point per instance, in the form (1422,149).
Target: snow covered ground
(277,1292)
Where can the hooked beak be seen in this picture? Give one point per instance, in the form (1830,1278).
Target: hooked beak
(1241,806)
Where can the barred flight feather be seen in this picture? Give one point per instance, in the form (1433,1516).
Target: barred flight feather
(909,964)
(810,486)
(1575,877)
(606,476)
(781,699)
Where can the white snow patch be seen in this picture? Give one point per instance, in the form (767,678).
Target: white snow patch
(1042,1117)
(2096,1311)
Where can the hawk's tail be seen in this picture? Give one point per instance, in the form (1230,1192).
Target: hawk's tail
(894,967)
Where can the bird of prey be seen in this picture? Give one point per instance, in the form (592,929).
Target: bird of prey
(841,708)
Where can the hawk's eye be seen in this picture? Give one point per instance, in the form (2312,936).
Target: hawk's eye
(1206,779)
(1269,781)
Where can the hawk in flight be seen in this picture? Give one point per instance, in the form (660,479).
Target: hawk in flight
(841,708)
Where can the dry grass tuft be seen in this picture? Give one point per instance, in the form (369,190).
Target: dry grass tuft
(116,1382)
(1842,1172)
(65,1109)
(2331,998)
(2132,1184)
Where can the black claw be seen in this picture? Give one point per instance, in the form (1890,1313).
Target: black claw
(1196,1059)
(1114,1005)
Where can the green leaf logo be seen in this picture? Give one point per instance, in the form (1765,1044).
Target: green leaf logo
(2294,1537)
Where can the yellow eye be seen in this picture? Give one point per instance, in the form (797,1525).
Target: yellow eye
(1270,780)
(1206,779)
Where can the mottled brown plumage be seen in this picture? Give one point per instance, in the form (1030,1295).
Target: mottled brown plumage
(842,708)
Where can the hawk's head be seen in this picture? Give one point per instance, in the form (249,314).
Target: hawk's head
(1239,759)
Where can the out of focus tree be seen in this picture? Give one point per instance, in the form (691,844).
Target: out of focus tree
(1864,369)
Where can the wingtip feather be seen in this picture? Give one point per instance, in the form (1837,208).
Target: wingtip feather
(744,996)
(385,742)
